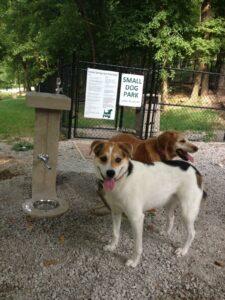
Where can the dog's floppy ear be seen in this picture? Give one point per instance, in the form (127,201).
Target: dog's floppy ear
(163,143)
(126,148)
(96,147)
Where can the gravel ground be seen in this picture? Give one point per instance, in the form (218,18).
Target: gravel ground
(62,258)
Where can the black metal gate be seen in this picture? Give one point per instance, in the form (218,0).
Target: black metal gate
(179,112)
(127,119)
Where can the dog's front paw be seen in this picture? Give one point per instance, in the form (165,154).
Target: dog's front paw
(109,247)
(181,252)
(132,263)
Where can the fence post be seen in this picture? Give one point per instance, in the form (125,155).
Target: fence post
(150,102)
(117,105)
(155,107)
(140,113)
(72,90)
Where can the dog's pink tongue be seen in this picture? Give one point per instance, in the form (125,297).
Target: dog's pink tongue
(109,184)
(191,158)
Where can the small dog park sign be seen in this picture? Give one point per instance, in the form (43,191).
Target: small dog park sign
(131,90)
(102,89)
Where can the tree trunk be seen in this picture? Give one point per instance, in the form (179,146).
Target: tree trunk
(205,15)
(18,81)
(205,81)
(205,10)
(196,87)
(221,82)
(27,84)
(89,29)
(220,68)
(165,93)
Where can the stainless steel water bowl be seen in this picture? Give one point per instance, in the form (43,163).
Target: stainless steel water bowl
(45,208)
(48,204)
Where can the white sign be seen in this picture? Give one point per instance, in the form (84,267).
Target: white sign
(101,92)
(131,90)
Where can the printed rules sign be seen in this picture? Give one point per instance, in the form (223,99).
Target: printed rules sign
(101,93)
(131,90)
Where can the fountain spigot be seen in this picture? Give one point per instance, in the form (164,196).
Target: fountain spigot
(44,157)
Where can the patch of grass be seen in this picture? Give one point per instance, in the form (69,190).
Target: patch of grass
(22,146)
(16,119)
(195,120)
(172,118)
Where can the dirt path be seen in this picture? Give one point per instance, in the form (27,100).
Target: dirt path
(62,258)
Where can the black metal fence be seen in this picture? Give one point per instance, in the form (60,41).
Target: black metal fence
(189,101)
(195,104)
(127,119)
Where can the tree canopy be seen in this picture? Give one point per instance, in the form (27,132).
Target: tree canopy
(36,34)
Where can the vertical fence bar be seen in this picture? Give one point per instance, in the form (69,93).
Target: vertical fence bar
(144,104)
(150,101)
(155,101)
(121,117)
(72,90)
(76,100)
(117,103)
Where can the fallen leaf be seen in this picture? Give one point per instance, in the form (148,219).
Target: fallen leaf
(151,212)
(29,225)
(219,263)
(150,227)
(219,165)
(62,239)
(49,262)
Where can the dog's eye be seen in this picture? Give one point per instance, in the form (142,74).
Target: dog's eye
(182,141)
(103,159)
(118,159)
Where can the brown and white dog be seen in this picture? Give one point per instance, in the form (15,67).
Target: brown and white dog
(132,187)
(166,146)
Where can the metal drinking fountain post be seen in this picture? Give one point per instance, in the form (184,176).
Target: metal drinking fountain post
(44,201)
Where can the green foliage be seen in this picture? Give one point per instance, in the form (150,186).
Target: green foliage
(208,39)
(22,146)
(36,34)
(7,75)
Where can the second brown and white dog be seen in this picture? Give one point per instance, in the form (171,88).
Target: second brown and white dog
(166,146)
(132,187)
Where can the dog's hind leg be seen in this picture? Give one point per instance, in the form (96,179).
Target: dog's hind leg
(170,214)
(190,237)
(116,218)
(137,228)
(190,208)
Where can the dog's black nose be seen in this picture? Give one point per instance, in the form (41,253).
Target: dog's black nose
(195,148)
(110,173)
